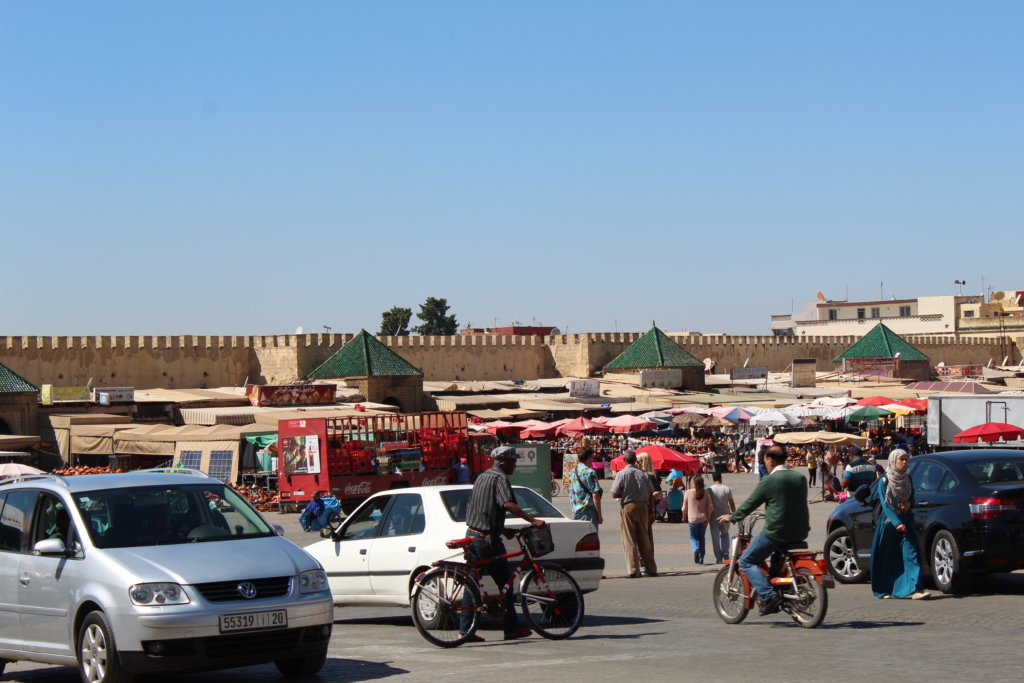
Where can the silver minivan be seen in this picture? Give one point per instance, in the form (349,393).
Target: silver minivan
(121,574)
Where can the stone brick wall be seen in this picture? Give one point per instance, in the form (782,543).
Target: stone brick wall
(208,361)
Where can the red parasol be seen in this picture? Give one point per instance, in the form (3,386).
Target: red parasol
(918,404)
(580,425)
(988,432)
(664,459)
(874,401)
(623,424)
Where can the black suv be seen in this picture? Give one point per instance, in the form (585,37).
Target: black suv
(968,512)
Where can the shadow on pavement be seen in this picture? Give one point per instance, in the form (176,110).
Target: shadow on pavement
(866,624)
(610,620)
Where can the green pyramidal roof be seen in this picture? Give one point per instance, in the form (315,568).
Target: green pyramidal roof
(364,356)
(881,342)
(654,350)
(13,383)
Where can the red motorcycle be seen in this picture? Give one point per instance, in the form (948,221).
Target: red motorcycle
(799,577)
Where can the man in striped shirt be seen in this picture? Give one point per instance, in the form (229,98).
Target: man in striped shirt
(492,496)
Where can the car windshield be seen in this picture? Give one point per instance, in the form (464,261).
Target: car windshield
(457,502)
(995,471)
(161,515)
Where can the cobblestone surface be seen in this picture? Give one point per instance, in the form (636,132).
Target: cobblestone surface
(665,627)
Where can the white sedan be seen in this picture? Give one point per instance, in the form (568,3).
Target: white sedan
(379,549)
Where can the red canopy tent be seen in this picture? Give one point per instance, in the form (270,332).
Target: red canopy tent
(874,401)
(623,424)
(501,427)
(988,432)
(663,459)
(540,430)
(918,404)
(580,425)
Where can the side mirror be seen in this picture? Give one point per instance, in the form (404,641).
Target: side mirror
(50,546)
(862,494)
(278,529)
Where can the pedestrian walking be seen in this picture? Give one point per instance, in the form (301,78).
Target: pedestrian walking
(585,490)
(632,488)
(697,511)
(895,562)
(722,500)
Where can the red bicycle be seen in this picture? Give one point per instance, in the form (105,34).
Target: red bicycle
(548,595)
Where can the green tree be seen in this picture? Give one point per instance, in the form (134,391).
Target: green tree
(434,314)
(395,323)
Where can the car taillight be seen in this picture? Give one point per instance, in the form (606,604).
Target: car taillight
(589,542)
(990,508)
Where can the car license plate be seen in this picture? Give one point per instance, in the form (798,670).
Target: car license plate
(254,621)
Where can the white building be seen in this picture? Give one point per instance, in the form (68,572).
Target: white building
(933,315)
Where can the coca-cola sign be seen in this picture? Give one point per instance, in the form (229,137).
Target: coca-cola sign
(360,489)
(436,481)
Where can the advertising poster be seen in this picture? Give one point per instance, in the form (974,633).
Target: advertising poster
(301,454)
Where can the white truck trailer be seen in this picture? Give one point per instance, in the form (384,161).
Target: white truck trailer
(950,415)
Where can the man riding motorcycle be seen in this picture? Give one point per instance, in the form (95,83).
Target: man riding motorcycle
(787,520)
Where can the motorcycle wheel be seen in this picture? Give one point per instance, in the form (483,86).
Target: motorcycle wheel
(729,596)
(810,607)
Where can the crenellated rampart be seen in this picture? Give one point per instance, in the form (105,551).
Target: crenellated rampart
(183,361)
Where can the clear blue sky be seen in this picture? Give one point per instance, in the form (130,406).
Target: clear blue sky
(250,167)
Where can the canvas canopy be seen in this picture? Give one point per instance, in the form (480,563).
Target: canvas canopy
(95,439)
(833,438)
(59,430)
(214,450)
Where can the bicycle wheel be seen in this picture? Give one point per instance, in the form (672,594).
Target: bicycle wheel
(730,596)
(441,597)
(552,602)
(556,488)
(811,604)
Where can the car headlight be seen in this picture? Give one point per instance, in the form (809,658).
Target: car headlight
(156,594)
(313,581)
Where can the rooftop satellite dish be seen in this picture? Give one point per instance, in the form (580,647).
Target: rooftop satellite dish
(996,296)
(298,330)
(821,297)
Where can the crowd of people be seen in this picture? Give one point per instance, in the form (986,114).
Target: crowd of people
(709,508)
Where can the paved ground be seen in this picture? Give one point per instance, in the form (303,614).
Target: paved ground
(660,628)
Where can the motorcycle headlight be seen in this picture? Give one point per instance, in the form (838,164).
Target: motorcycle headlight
(314,581)
(157,594)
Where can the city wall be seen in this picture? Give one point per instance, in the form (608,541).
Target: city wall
(210,361)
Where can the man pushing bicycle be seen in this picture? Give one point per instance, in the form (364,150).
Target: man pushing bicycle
(485,518)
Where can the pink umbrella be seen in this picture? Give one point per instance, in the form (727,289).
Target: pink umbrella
(687,409)
(580,425)
(623,424)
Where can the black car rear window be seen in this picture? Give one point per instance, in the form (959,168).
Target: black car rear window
(995,471)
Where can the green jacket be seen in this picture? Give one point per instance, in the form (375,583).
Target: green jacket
(784,494)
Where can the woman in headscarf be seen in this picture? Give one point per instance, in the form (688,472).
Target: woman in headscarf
(895,562)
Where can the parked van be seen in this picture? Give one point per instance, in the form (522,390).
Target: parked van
(120,574)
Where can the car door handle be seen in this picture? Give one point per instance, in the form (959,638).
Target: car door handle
(412,549)
(362,551)
(24,580)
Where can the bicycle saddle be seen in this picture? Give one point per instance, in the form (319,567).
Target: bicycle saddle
(797,545)
(464,542)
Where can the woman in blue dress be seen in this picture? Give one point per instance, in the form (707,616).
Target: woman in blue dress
(895,562)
